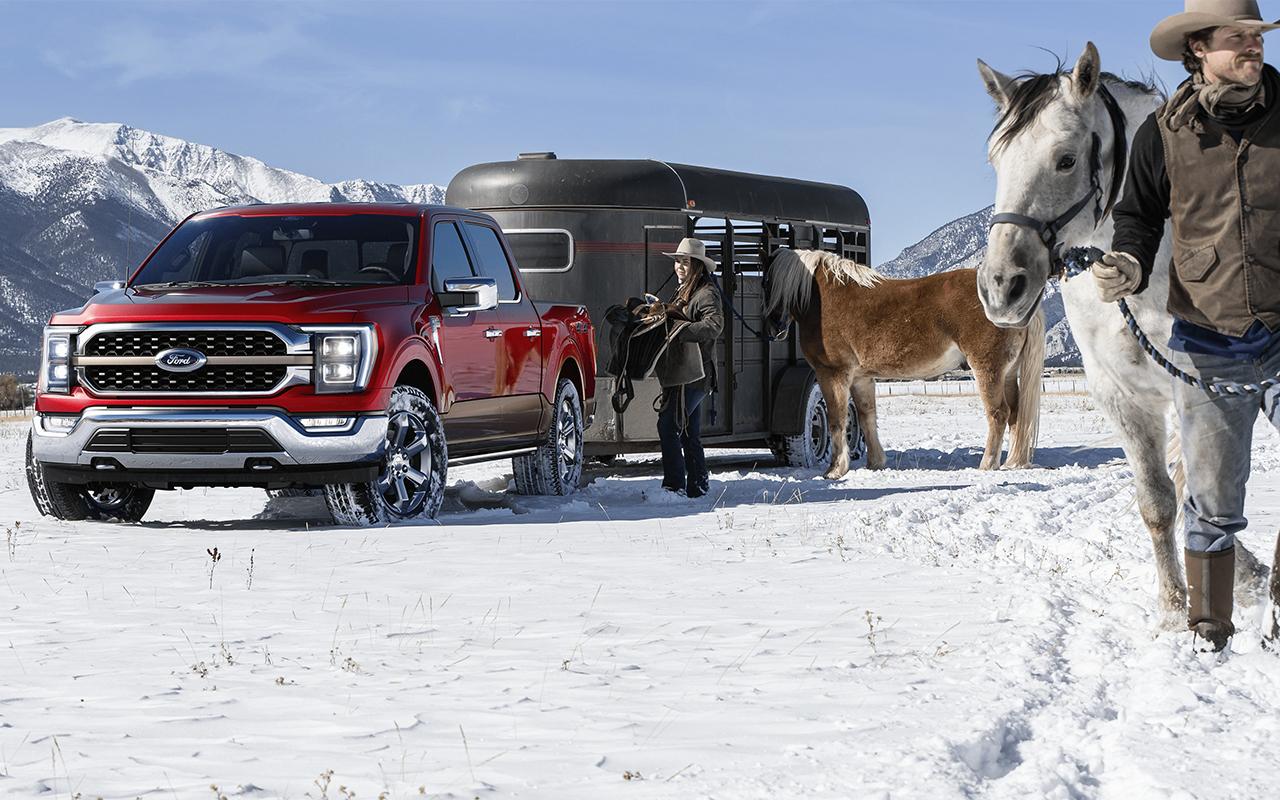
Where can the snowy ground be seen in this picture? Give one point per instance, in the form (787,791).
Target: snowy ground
(929,631)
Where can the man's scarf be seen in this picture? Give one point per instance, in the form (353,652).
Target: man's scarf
(1221,101)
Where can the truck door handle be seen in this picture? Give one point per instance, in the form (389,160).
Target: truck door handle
(492,333)
(533,332)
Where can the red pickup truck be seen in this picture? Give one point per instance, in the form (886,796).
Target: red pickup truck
(359,349)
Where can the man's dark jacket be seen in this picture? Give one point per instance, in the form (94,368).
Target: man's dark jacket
(1220,184)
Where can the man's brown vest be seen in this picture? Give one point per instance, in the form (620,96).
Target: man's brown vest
(1225,206)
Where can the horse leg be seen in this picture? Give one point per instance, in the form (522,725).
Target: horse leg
(864,401)
(1144,437)
(1018,449)
(835,391)
(991,389)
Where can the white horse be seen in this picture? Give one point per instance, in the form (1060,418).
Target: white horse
(1059,150)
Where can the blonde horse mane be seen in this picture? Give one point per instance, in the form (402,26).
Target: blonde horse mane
(840,270)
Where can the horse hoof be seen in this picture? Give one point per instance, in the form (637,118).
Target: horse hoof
(834,475)
(1215,635)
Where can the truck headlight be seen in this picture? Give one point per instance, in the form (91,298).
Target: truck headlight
(343,357)
(55,360)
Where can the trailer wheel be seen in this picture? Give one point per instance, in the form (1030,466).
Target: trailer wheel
(411,479)
(812,447)
(555,468)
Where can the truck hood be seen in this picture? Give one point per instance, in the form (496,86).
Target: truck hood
(290,304)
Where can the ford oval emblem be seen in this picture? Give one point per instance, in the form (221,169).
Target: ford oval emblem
(180,359)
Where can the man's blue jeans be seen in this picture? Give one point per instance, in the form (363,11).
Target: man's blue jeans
(1217,436)
(684,465)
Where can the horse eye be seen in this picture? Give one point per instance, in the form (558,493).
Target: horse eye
(1066,163)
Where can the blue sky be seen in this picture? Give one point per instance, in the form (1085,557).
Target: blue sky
(881,96)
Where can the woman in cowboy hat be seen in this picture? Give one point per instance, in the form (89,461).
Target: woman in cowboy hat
(1209,161)
(687,372)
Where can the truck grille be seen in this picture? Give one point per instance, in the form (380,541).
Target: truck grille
(211,343)
(183,440)
(228,378)
(240,358)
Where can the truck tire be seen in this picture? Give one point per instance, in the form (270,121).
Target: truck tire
(555,468)
(411,479)
(70,502)
(812,447)
(119,501)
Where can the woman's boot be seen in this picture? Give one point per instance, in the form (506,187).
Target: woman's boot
(1210,581)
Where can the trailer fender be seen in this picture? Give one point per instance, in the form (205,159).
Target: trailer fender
(788,400)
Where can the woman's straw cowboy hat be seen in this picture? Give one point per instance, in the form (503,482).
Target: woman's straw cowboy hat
(1169,39)
(693,248)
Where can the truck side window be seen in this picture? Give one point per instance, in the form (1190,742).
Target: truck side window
(493,261)
(448,257)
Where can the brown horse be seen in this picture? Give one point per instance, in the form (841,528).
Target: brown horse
(856,325)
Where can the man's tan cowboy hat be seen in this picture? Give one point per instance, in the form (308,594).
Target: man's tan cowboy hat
(693,248)
(1169,39)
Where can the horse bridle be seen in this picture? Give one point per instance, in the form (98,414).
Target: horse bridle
(1048,232)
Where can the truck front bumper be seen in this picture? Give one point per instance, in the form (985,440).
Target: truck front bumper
(167,447)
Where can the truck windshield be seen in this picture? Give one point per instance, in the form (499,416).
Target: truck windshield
(360,249)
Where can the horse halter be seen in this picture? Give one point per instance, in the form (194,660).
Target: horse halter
(1048,232)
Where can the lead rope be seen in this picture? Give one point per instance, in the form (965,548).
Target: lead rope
(1078,260)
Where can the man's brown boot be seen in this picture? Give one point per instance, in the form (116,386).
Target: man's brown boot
(1210,580)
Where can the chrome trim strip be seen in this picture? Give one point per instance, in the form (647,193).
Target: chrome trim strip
(362,442)
(492,456)
(213,361)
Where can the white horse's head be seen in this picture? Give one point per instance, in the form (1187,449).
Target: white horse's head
(1053,149)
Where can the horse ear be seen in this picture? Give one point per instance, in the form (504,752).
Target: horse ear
(998,85)
(1088,69)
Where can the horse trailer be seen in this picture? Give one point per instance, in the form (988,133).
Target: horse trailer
(592,232)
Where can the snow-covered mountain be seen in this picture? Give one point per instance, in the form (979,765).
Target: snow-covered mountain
(962,244)
(83,202)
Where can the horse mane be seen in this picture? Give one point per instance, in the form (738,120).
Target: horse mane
(839,270)
(1032,93)
(793,275)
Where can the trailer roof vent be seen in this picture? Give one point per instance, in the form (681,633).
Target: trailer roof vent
(547,156)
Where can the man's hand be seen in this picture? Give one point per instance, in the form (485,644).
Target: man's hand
(1117,275)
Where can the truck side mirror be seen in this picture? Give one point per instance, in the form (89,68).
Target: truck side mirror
(465,295)
(107,286)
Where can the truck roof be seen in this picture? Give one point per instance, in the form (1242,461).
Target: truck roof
(332,209)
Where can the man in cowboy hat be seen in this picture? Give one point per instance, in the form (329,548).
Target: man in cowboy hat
(1209,161)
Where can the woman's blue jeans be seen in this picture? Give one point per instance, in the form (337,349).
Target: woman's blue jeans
(684,465)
